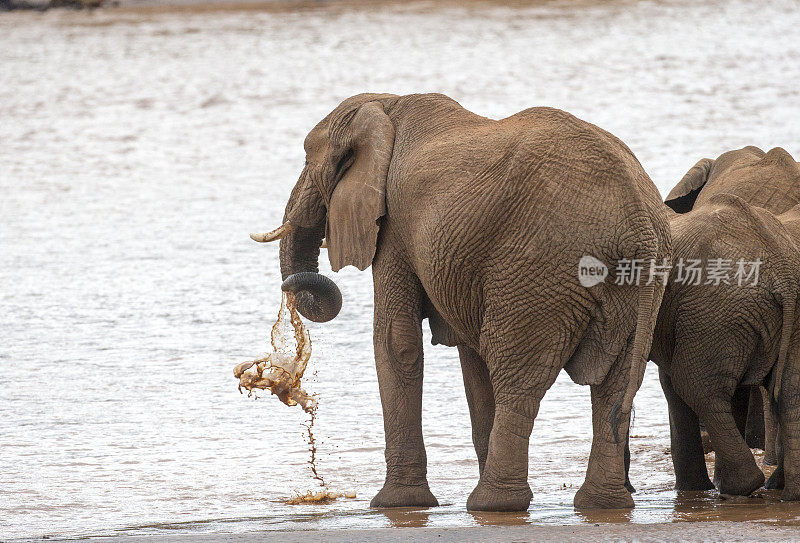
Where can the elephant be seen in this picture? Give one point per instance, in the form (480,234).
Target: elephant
(711,340)
(768,180)
(478,225)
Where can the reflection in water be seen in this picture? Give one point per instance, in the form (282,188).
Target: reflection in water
(604,515)
(405,517)
(152,143)
(486,518)
(763,505)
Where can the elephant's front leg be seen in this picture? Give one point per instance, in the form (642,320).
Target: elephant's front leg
(770,432)
(398,359)
(480,399)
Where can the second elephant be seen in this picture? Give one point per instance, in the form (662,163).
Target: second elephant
(712,338)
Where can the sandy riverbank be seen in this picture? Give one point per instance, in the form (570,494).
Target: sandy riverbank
(269,6)
(701,531)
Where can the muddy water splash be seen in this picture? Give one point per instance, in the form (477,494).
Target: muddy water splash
(281,372)
(312,443)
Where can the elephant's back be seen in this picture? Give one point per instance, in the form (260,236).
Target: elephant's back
(541,176)
(597,181)
(770,180)
(591,166)
(521,201)
(746,246)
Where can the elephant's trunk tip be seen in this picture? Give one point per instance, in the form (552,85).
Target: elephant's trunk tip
(317,297)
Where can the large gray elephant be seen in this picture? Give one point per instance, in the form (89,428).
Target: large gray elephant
(479,226)
(712,339)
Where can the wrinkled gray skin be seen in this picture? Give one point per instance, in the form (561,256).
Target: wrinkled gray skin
(712,340)
(478,225)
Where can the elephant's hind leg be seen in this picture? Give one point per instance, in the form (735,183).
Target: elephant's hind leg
(777,481)
(735,469)
(503,485)
(706,378)
(604,487)
(789,421)
(686,444)
(480,399)
(519,380)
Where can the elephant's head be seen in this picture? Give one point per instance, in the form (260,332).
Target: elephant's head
(340,196)
(770,180)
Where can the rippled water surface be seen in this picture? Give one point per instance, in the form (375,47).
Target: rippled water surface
(138,147)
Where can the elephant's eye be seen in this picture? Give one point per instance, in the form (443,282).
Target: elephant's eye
(305,163)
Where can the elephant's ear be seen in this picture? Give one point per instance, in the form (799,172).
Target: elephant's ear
(682,197)
(359,199)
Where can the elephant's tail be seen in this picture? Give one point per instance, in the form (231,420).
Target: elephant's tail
(789,302)
(642,337)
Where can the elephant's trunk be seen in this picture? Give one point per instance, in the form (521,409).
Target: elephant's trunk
(317,298)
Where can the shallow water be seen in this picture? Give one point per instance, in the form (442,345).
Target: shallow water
(138,148)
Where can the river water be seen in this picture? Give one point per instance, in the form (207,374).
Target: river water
(140,146)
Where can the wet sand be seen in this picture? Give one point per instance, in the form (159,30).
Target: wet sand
(703,531)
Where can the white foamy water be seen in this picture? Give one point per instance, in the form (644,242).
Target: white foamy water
(137,151)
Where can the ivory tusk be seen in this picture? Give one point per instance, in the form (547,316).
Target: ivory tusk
(282,231)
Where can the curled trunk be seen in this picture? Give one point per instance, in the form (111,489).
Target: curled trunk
(317,297)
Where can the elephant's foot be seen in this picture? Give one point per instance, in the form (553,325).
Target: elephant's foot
(776,480)
(699,482)
(490,498)
(592,496)
(741,481)
(791,494)
(397,495)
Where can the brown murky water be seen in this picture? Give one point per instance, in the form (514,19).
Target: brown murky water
(138,148)
(281,371)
